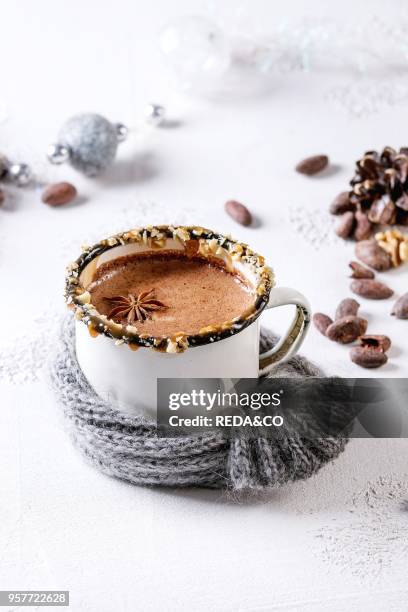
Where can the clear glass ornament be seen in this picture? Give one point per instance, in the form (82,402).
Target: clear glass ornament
(196,50)
(238,51)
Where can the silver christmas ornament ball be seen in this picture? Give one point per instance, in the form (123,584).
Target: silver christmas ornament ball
(92,142)
(19,174)
(58,154)
(155,114)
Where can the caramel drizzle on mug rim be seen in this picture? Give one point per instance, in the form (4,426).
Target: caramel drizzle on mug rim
(90,317)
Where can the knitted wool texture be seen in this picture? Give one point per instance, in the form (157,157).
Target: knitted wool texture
(128,448)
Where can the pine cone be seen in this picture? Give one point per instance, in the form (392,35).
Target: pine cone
(379,190)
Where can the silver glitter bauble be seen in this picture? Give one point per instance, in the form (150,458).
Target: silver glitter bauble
(58,154)
(19,174)
(155,114)
(92,142)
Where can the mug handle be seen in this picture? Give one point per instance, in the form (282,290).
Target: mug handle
(290,343)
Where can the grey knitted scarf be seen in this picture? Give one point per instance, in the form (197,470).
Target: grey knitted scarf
(128,447)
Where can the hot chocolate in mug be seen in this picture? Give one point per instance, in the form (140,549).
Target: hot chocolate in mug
(123,364)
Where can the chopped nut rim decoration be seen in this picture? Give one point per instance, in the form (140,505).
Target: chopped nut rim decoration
(135,307)
(195,241)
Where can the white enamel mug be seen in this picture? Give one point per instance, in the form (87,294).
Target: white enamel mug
(126,377)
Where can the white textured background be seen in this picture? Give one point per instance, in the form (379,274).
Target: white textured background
(337,542)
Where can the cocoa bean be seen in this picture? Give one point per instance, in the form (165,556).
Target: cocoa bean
(400,308)
(346,329)
(341,204)
(347,308)
(58,194)
(379,342)
(346,225)
(363,229)
(238,212)
(322,322)
(371,289)
(312,165)
(370,253)
(368,357)
(359,271)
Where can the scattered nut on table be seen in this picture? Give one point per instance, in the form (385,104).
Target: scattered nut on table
(371,289)
(312,165)
(341,204)
(238,212)
(368,357)
(364,227)
(346,225)
(347,329)
(371,254)
(347,307)
(371,352)
(322,322)
(58,194)
(360,271)
(400,308)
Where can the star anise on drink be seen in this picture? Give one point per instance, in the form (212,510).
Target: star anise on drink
(135,307)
